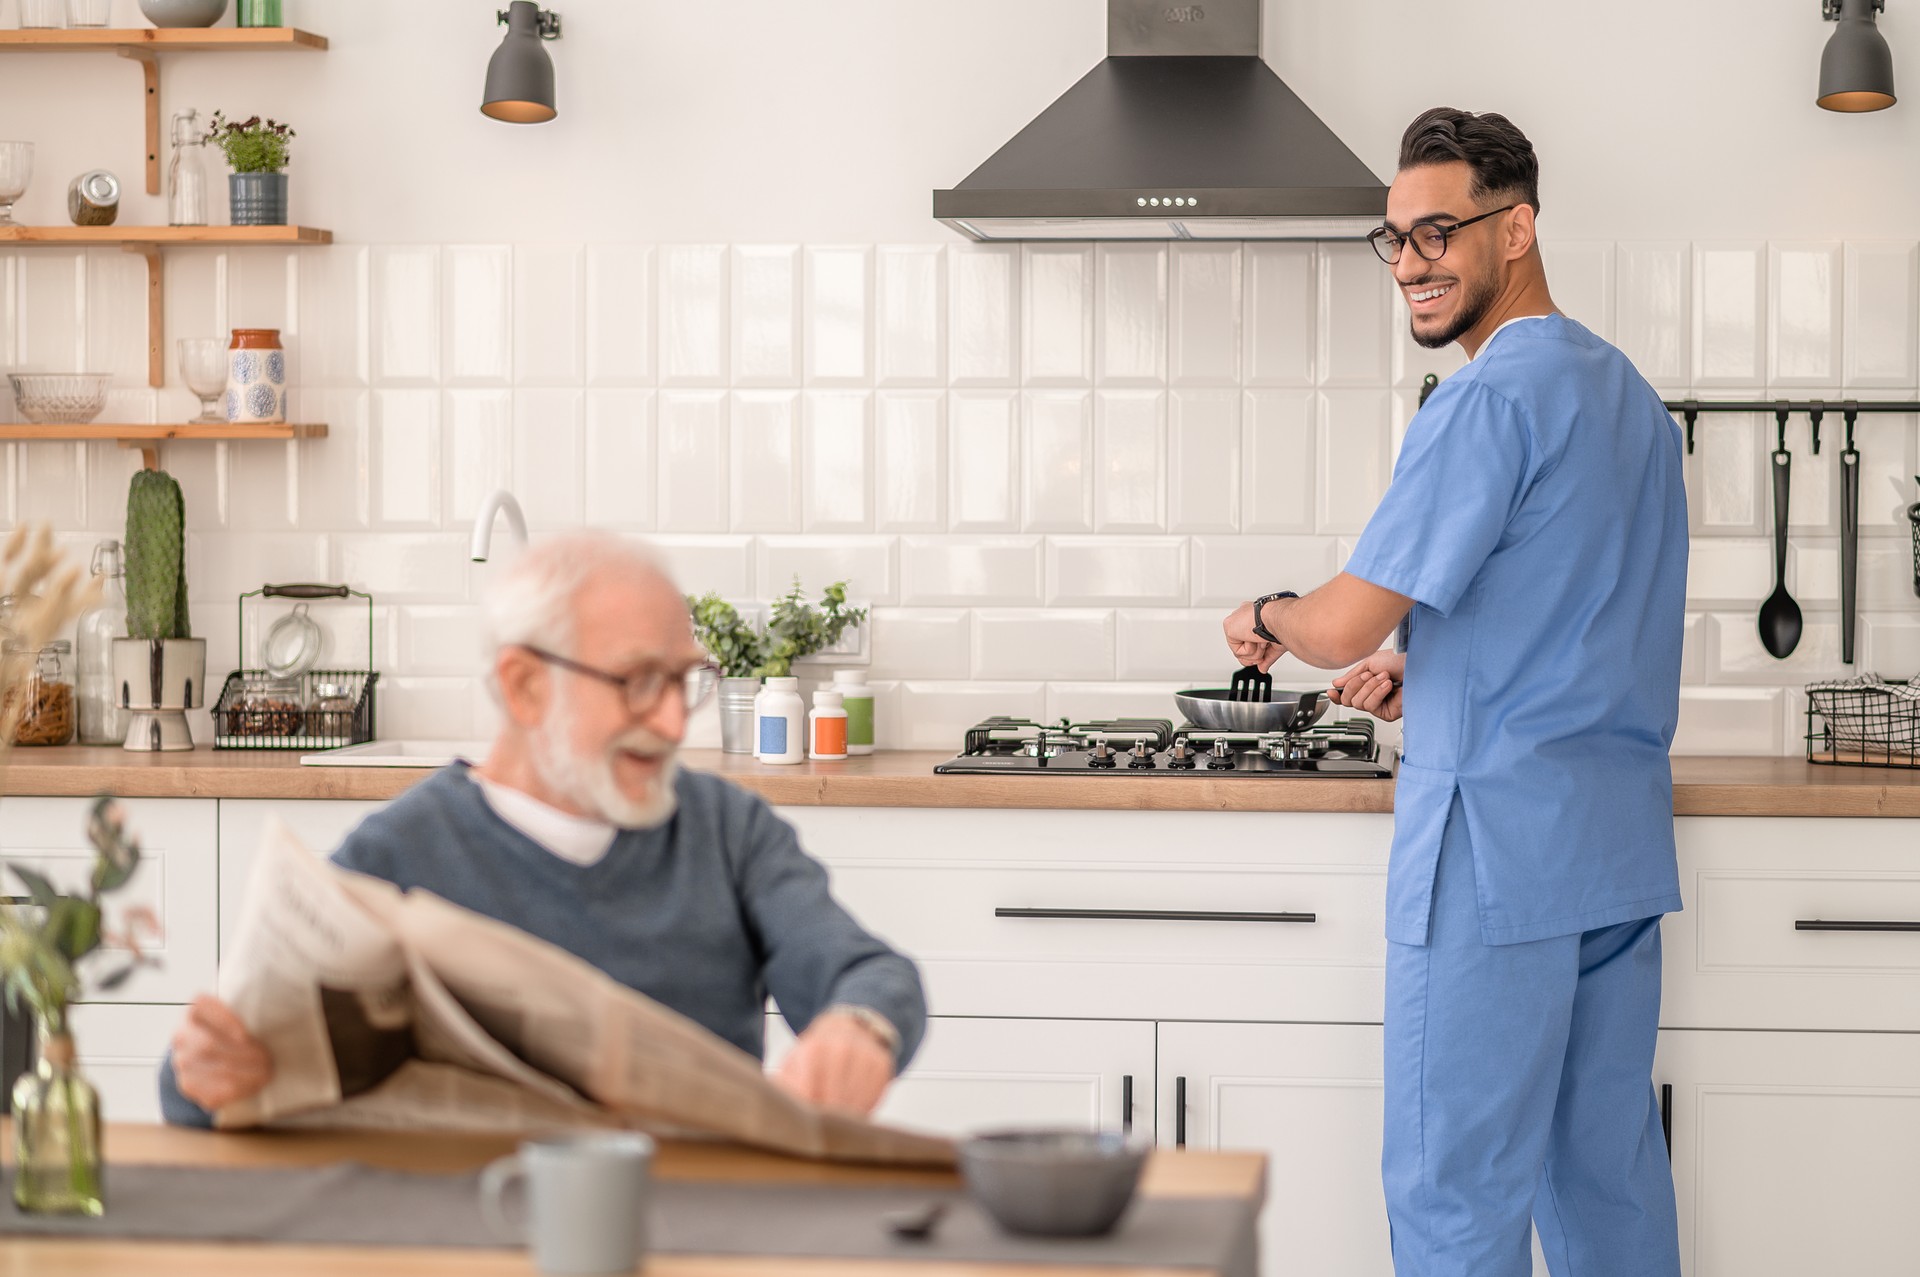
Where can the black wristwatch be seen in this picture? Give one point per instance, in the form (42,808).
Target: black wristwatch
(1258,626)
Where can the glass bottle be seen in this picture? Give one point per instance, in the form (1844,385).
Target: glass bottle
(56,1133)
(102,721)
(187,172)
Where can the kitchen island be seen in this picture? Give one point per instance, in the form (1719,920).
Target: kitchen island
(1201,959)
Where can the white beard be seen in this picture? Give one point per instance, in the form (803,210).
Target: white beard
(589,782)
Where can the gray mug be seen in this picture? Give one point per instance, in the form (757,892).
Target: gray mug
(587,1200)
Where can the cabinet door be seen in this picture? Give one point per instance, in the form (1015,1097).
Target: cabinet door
(176,879)
(972,1074)
(319,823)
(1793,1153)
(121,1048)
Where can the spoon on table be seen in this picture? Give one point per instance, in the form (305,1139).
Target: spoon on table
(1780,615)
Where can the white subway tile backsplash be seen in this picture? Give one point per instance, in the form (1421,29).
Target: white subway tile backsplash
(1729,571)
(1019,643)
(549,436)
(1881,311)
(983,315)
(1279,435)
(933,715)
(1083,701)
(203,474)
(52,332)
(477,426)
(1655,292)
(691,495)
(619,318)
(1729,315)
(1124,571)
(1729,487)
(927,642)
(1130,309)
(1581,277)
(983,461)
(763,427)
(447,641)
(1805,285)
(1735,655)
(619,477)
(720,565)
(266,483)
(766,315)
(1227,571)
(910,450)
(985,570)
(405,455)
(330,326)
(398,567)
(1203,289)
(1058,492)
(549,314)
(1129,487)
(335,472)
(426,708)
(865,563)
(1890,645)
(1355,315)
(1170,643)
(1057,287)
(839,334)
(1814,499)
(837,460)
(1731,720)
(1282,305)
(693,314)
(52,484)
(1354,467)
(1203,461)
(910,315)
(221,567)
(406,310)
(476,314)
(116,334)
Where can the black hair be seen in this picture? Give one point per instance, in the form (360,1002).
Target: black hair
(1499,154)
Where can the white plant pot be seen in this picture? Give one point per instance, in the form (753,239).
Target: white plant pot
(159,680)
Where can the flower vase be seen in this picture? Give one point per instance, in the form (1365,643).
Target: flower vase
(256,376)
(56,1134)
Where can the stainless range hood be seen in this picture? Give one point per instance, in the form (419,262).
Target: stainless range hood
(1182,132)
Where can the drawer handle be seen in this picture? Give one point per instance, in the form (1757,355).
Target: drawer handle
(1666,1116)
(1179,1112)
(1817,924)
(1126,1104)
(1157,915)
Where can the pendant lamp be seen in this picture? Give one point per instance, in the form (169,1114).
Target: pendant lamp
(1856,70)
(520,76)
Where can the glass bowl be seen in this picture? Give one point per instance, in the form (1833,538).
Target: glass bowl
(60,399)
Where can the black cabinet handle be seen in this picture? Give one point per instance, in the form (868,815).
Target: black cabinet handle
(1126,1104)
(1157,915)
(1179,1112)
(1666,1116)
(1817,924)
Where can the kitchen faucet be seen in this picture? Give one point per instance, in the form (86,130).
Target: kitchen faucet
(500,501)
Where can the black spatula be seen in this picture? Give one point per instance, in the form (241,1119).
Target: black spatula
(1251,685)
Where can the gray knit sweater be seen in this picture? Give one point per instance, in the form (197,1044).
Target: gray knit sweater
(708,914)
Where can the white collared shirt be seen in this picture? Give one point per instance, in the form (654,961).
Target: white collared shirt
(580,840)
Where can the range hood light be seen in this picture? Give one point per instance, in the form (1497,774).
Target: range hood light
(1856,67)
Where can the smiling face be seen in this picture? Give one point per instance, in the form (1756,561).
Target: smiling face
(1452,296)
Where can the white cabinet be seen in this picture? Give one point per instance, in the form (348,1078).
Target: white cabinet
(177,879)
(1793,1153)
(971,1074)
(320,824)
(121,1049)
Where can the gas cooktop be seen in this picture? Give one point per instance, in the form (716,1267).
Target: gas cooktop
(1155,747)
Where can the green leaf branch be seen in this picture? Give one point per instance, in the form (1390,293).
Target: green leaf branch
(251,146)
(795,629)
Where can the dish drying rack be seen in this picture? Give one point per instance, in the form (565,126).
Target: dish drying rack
(243,721)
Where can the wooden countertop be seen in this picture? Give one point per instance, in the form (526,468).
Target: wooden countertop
(1168,1174)
(905,778)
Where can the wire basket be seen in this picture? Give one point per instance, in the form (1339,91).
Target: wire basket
(1864,722)
(249,715)
(1913,517)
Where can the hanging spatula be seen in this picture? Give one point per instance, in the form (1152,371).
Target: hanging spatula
(1250,684)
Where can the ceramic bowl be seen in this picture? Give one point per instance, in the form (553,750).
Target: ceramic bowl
(183,13)
(1053,1183)
(62,399)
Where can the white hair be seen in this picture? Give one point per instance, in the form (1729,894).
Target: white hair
(532,601)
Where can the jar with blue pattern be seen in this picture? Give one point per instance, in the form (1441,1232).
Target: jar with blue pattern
(256,376)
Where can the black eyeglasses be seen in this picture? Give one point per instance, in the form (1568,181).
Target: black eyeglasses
(1429,239)
(645,686)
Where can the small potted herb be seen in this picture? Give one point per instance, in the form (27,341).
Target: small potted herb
(746,655)
(257,151)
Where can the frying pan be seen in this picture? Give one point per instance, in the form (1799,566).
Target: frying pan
(1286,712)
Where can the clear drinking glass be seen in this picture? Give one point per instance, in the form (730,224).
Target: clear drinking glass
(43,13)
(16,170)
(89,13)
(203,365)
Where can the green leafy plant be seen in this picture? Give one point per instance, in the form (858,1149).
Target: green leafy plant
(796,628)
(251,146)
(41,946)
(156,558)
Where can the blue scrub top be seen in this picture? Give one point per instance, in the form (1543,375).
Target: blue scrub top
(1538,518)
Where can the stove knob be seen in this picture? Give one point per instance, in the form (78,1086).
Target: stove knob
(1221,760)
(1181,758)
(1141,758)
(1102,754)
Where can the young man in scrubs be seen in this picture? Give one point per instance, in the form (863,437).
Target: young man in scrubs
(1531,552)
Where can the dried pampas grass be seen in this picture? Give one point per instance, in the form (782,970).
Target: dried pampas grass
(49,595)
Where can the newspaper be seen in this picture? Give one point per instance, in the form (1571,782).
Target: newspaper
(384,1008)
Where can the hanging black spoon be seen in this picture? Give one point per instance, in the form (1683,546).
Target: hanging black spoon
(1849,541)
(1780,615)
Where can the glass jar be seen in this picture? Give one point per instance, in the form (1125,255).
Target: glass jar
(187,183)
(102,721)
(267,707)
(332,715)
(42,704)
(56,1134)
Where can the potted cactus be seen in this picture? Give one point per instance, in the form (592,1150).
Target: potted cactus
(159,670)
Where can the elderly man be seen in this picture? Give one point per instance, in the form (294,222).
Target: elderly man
(580,829)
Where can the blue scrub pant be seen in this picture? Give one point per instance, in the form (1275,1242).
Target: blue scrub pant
(1519,1085)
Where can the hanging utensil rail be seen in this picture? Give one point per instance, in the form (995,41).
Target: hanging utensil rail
(1814,409)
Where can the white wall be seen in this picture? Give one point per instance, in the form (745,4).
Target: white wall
(1118,444)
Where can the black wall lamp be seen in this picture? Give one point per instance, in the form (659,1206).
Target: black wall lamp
(1856,70)
(520,76)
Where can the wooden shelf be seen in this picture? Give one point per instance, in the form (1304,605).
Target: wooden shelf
(148,437)
(159,40)
(129,236)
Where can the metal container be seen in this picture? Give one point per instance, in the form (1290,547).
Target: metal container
(257,199)
(160,680)
(93,198)
(736,714)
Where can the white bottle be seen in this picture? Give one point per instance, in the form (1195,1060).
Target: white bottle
(827,727)
(781,722)
(858,699)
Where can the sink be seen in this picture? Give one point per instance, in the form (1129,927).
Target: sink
(399,753)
